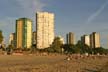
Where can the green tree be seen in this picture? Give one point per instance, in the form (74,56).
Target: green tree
(9,49)
(57,45)
(69,48)
(1,37)
(80,47)
(100,50)
(50,50)
(83,47)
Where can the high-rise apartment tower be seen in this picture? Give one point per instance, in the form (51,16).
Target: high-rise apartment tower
(85,39)
(95,40)
(23,33)
(44,29)
(70,38)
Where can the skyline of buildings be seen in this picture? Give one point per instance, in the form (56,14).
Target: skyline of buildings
(67,19)
(92,40)
(23,33)
(44,29)
(44,34)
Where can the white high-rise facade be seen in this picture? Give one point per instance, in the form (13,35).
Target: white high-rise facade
(44,29)
(95,40)
(86,39)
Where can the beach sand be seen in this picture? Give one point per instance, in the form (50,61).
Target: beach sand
(52,63)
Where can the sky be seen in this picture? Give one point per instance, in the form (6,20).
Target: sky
(77,16)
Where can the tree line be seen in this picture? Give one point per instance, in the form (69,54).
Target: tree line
(79,48)
(58,47)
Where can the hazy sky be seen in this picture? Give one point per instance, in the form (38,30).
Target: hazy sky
(78,16)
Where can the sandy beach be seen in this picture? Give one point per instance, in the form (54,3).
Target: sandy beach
(52,63)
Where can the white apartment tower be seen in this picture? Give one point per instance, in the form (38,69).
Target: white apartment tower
(44,29)
(95,40)
(86,39)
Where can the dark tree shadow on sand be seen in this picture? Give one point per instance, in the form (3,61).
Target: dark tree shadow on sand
(89,70)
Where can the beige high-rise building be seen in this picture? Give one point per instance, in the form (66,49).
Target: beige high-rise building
(85,39)
(23,33)
(70,38)
(44,29)
(94,40)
